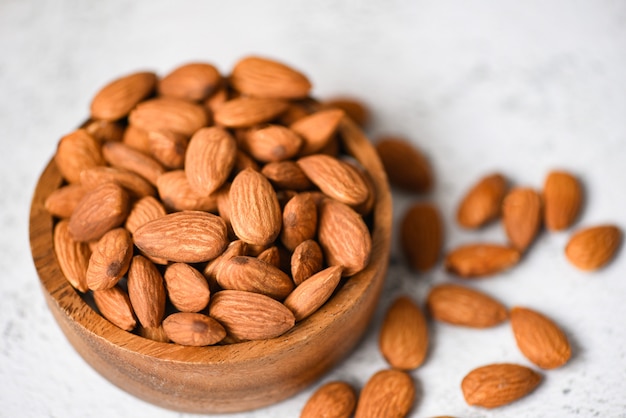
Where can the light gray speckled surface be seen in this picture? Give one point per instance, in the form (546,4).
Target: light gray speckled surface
(521,87)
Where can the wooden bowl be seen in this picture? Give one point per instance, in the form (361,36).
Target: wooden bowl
(226,378)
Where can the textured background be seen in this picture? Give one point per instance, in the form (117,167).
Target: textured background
(520,87)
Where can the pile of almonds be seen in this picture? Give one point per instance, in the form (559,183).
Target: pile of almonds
(404,335)
(199,208)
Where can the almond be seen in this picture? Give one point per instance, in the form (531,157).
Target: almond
(209,159)
(343,236)
(354,108)
(405,165)
(299,221)
(253,275)
(403,339)
(335,178)
(387,394)
(193,329)
(114,305)
(137,139)
(521,216)
(593,247)
(459,305)
(483,202)
(286,175)
(110,259)
(177,194)
(306,260)
(539,338)
(255,212)
(186,287)
(421,236)
(104,130)
(168,148)
(271,256)
(146,291)
(186,237)
(235,248)
(193,81)
(99,211)
(62,201)
(331,400)
(270,142)
(120,155)
(250,316)
(76,152)
(478,260)
(143,211)
(317,129)
(120,96)
(244,112)
(167,114)
(262,77)
(495,385)
(562,196)
(136,185)
(73,256)
(312,293)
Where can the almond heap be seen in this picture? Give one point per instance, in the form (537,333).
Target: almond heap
(200,208)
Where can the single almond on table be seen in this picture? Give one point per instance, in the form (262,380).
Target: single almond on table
(311,294)
(168,148)
(343,236)
(593,247)
(187,288)
(73,256)
(76,152)
(209,159)
(255,213)
(193,329)
(387,394)
(286,175)
(146,291)
(403,339)
(267,143)
(496,385)
(421,236)
(406,166)
(194,81)
(521,216)
(114,304)
(562,197)
(317,129)
(110,259)
(187,237)
(479,260)
(167,114)
(483,202)
(539,338)
(62,201)
(306,260)
(143,211)
(299,221)
(120,155)
(244,112)
(263,77)
(461,305)
(177,194)
(331,400)
(133,183)
(116,99)
(253,275)
(250,316)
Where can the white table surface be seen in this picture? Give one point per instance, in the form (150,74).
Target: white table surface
(520,87)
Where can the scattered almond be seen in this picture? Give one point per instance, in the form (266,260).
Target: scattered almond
(421,236)
(562,196)
(479,260)
(387,394)
(406,166)
(331,400)
(521,216)
(498,384)
(483,202)
(592,248)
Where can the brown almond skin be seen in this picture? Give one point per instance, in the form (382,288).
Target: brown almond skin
(403,339)
(194,81)
(62,201)
(299,221)
(235,248)
(99,211)
(317,130)
(76,152)
(133,183)
(122,156)
(331,400)
(146,291)
(521,216)
(250,316)
(137,139)
(460,305)
(271,142)
(306,260)
(343,236)
(186,237)
(311,294)
(209,159)
(496,385)
(480,260)
(167,114)
(255,213)
(539,338)
(271,256)
(193,329)
(421,236)
(263,77)
(114,304)
(286,175)
(110,259)
(483,202)
(116,99)
(387,394)
(562,196)
(73,256)
(142,211)
(406,167)
(187,288)
(253,275)
(177,194)
(594,247)
(168,148)
(244,112)
(104,130)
